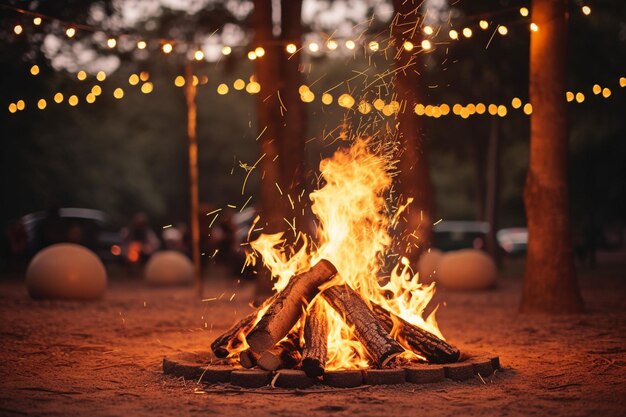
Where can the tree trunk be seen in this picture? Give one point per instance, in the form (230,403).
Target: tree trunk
(550,283)
(493,189)
(413,178)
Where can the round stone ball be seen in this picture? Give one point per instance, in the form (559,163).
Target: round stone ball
(66,271)
(169,267)
(466,270)
(427,265)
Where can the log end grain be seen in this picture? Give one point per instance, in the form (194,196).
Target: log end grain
(292,378)
(424,374)
(312,367)
(260,340)
(343,379)
(269,361)
(250,378)
(384,376)
(461,371)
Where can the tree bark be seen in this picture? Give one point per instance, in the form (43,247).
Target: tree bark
(416,339)
(413,177)
(550,283)
(315,340)
(286,309)
(284,355)
(380,346)
(248,359)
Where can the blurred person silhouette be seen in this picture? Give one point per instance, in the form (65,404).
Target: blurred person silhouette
(140,240)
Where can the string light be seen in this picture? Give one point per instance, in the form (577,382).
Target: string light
(453,34)
(73,100)
(502,30)
(111,42)
(147,88)
(426,44)
(350,44)
(307,97)
(37,21)
(239,84)
(81,75)
(291,48)
(534,27)
(481,108)
(606,92)
(96,90)
(20,105)
(101,76)
(528,108)
(34,70)
(596,89)
(260,52)
(251,56)
(364,107)
(483,24)
(41,104)
(374,46)
(580,97)
(622,81)
(70,32)
(379,104)
(17,29)
(492,109)
(12,108)
(523,11)
(314,47)
(144,76)
(253,87)
(179,81)
(198,55)
(118,93)
(332,45)
(222,89)
(58,98)
(516,103)
(327,99)
(407,45)
(586,10)
(569,96)
(345,100)
(90,98)
(167,47)
(428,30)
(142,45)
(133,79)
(467,32)
(226,50)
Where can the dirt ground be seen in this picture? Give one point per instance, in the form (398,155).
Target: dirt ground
(104,358)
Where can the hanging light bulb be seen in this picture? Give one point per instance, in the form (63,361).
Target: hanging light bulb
(453,34)
(111,42)
(314,47)
(198,55)
(70,32)
(350,44)
(586,10)
(167,47)
(408,45)
(18,29)
(332,45)
(503,30)
(37,21)
(467,32)
(483,24)
(291,48)
(524,11)
(426,45)
(259,51)
(428,30)
(142,45)
(226,50)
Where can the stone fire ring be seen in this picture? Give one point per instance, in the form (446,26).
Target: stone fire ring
(203,367)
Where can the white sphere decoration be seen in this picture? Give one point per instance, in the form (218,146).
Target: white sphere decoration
(66,271)
(169,267)
(427,265)
(466,270)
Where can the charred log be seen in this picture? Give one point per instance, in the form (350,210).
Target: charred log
(285,355)
(248,359)
(287,307)
(380,346)
(315,341)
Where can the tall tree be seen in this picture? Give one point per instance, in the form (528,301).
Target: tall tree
(550,283)
(414,177)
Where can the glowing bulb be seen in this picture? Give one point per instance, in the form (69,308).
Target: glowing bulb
(147,88)
(34,69)
(445,109)
(502,30)
(379,104)
(96,90)
(307,97)
(471,108)
(586,10)
(179,81)
(251,56)
(133,79)
(534,27)
(453,34)
(483,24)
(37,21)
(21,105)
(142,45)
(118,93)
(332,45)
(314,47)
(198,55)
(73,100)
(327,99)
(167,47)
(408,46)
(502,110)
(606,92)
(428,30)
(569,96)
(492,109)
(350,44)
(291,48)
(222,89)
(374,46)
(364,107)
(259,51)
(528,108)
(303,89)
(70,32)
(253,87)
(516,103)
(467,32)
(597,89)
(464,113)
(12,108)
(480,108)
(226,50)
(388,110)
(90,98)
(41,104)
(58,98)
(580,97)
(239,84)
(523,11)
(111,42)
(144,75)
(419,109)
(622,81)
(18,29)
(81,75)
(101,76)
(426,44)
(345,100)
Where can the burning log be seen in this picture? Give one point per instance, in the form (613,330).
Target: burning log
(368,329)
(221,344)
(248,359)
(418,340)
(285,354)
(315,341)
(286,308)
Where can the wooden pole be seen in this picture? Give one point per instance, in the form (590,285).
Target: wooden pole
(190,97)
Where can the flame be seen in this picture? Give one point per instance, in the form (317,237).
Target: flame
(353,234)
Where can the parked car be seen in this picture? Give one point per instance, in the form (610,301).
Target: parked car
(82,226)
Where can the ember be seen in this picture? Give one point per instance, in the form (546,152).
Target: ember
(330,312)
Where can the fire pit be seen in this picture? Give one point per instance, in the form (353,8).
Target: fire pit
(333,318)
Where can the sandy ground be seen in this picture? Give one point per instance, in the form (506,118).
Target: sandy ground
(104,358)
